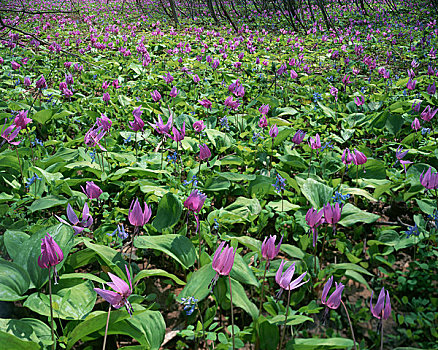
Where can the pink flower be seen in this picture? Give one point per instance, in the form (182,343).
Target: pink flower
(138,217)
(156,96)
(293,74)
(15,65)
(51,253)
(195,201)
(223,261)
(22,120)
(359,158)
(273,132)
(104,122)
(173,92)
(332,214)
(284,280)
(314,219)
(263,122)
(160,127)
(178,135)
(315,143)
(94,135)
(137,124)
(298,137)
(334,300)
(92,191)
(78,226)
(269,250)
(347,157)
(10,133)
(122,292)
(264,109)
(106,97)
(205,103)
(204,152)
(199,126)
(416,124)
(382,310)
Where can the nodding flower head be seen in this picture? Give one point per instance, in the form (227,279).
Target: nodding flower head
(92,191)
(195,201)
(284,280)
(273,132)
(269,250)
(122,291)
(334,300)
(298,137)
(223,261)
(382,309)
(138,217)
(204,152)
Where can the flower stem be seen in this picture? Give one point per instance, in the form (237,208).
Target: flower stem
(51,308)
(132,243)
(310,162)
(381,337)
(232,313)
(263,290)
(21,169)
(285,321)
(351,326)
(106,328)
(203,329)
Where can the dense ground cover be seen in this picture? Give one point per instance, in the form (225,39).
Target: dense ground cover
(324,138)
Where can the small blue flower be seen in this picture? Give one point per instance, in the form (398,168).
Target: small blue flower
(31,180)
(127,140)
(224,123)
(339,197)
(425,131)
(280,184)
(173,157)
(413,230)
(189,304)
(120,230)
(216,224)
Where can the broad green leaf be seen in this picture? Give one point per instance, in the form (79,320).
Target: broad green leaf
(316,193)
(216,184)
(245,207)
(292,251)
(197,286)
(156,272)
(29,329)
(319,344)
(14,281)
(292,320)
(282,206)
(242,273)
(15,343)
(352,215)
(168,212)
(13,241)
(177,246)
(77,306)
(109,257)
(31,250)
(349,266)
(47,202)
(43,116)
(240,299)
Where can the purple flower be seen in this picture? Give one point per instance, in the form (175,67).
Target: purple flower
(298,137)
(229,102)
(411,84)
(314,219)
(359,100)
(137,112)
(94,135)
(156,96)
(15,65)
(178,135)
(416,107)
(284,280)
(332,214)
(122,292)
(137,124)
(429,180)
(269,250)
(293,74)
(51,253)
(198,126)
(104,122)
(273,132)
(162,128)
(431,89)
(173,92)
(204,152)
(428,114)
(263,122)
(41,83)
(315,143)
(205,103)
(78,226)
(106,97)
(10,133)
(27,81)
(92,191)
(416,125)
(359,158)
(195,201)
(223,261)
(196,78)
(264,109)
(69,79)
(138,217)
(347,157)
(168,78)
(22,120)
(382,310)
(334,300)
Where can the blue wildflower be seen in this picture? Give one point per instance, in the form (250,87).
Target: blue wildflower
(224,123)
(413,230)
(339,197)
(120,230)
(31,180)
(189,304)
(280,184)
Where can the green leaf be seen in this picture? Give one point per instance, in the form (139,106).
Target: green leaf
(349,266)
(47,202)
(240,299)
(156,272)
(93,323)
(216,184)
(269,336)
(43,116)
(168,213)
(282,206)
(177,246)
(79,304)
(87,276)
(242,272)
(357,277)
(292,251)
(352,215)
(316,193)
(147,327)
(14,281)
(197,285)
(13,241)
(245,207)
(292,320)
(14,343)
(319,344)
(31,250)
(109,257)
(29,329)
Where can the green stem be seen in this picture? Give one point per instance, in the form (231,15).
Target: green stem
(310,162)
(21,169)
(51,308)
(106,328)
(263,290)
(203,329)
(351,325)
(285,321)
(381,335)
(232,313)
